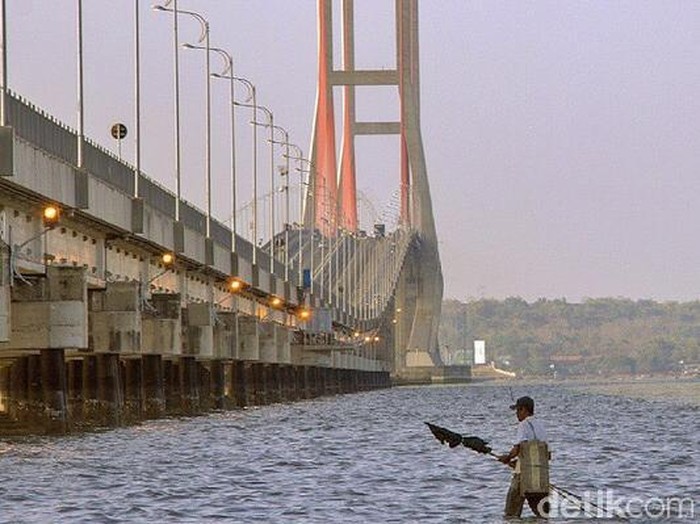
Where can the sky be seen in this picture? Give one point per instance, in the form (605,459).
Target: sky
(562,139)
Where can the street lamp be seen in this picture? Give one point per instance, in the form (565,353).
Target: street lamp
(137,101)
(286,144)
(81,93)
(252,97)
(204,37)
(176,80)
(300,158)
(271,125)
(227,73)
(3,62)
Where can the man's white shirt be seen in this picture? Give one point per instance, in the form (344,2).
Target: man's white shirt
(530,429)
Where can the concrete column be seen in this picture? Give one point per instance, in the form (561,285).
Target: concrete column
(272,383)
(173,400)
(115,318)
(258,382)
(153,394)
(35,405)
(55,393)
(205,385)
(240,387)
(75,388)
(17,405)
(248,338)
(286,383)
(133,389)
(198,324)
(283,340)
(110,392)
(89,391)
(161,325)
(249,374)
(268,342)
(226,335)
(218,384)
(189,385)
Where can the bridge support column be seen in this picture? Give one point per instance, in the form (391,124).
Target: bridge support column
(258,382)
(239,386)
(18,389)
(115,318)
(199,326)
(161,325)
(89,391)
(268,342)
(110,395)
(274,383)
(74,372)
(55,393)
(205,384)
(218,385)
(133,389)
(153,394)
(189,390)
(171,374)
(248,338)
(288,379)
(305,372)
(226,336)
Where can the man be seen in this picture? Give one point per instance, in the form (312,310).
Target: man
(530,429)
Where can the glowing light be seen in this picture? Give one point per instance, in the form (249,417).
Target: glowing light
(235,285)
(304,314)
(50,216)
(167,259)
(275,301)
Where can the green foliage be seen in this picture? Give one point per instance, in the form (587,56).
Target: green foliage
(602,335)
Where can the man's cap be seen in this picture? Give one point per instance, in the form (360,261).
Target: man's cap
(525,402)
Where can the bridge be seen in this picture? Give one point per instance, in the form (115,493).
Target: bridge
(120,301)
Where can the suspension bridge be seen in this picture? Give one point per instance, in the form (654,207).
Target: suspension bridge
(120,301)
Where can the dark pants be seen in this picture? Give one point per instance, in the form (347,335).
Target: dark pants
(515,500)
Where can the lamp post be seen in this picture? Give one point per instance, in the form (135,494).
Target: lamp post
(81,94)
(271,125)
(300,158)
(286,144)
(227,74)
(254,106)
(176,82)
(137,99)
(3,62)
(204,37)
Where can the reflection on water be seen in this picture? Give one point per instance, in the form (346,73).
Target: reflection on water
(355,458)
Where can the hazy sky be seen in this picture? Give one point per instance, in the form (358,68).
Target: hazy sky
(562,138)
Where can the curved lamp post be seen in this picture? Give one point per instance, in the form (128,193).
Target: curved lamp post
(286,144)
(3,62)
(204,37)
(254,106)
(301,159)
(227,73)
(176,81)
(270,124)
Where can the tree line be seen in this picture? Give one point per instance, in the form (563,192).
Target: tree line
(601,335)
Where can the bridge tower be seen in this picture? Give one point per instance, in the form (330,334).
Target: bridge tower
(331,203)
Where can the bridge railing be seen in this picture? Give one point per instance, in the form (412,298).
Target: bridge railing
(44,131)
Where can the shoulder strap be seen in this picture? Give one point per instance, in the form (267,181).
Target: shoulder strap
(533,428)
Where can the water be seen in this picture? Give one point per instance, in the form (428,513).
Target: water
(354,458)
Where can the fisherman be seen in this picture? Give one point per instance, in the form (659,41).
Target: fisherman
(530,459)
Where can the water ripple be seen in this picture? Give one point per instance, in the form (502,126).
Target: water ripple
(356,458)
